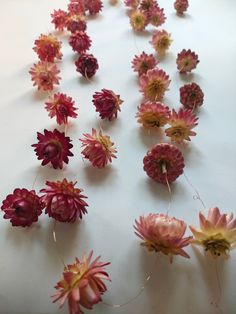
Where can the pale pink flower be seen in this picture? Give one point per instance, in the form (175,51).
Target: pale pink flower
(187,60)
(161,41)
(157,16)
(144,62)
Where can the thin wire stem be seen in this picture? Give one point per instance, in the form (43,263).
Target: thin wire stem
(56,244)
(197,195)
(170,195)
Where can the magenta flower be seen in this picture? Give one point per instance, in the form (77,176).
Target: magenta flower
(87,65)
(191,96)
(187,61)
(144,62)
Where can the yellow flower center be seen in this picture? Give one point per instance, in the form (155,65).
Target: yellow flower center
(155,89)
(151,119)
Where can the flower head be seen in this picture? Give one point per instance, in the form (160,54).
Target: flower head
(76,23)
(64,201)
(45,75)
(187,60)
(181,6)
(80,42)
(82,284)
(153,114)
(138,20)
(132,3)
(181,125)
(191,96)
(107,103)
(87,65)
(162,233)
(157,16)
(147,5)
(48,48)
(164,163)
(217,233)
(22,207)
(59,19)
(98,148)
(53,147)
(62,107)
(154,84)
(161,41)
(144,62)
(76,7)
(93,6)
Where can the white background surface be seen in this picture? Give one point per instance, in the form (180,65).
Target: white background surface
(121,192)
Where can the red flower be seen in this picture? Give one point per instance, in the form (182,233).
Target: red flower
(107,103)
(76,23)
(143,63)
(187,60)
(53,147)
(48,48)
(87,65)
(76,7)
(93,6)
(61,106)
(80,42)
(64,201)
(164,162)
(191,96)
(181,6)
(59,19)
(23,207)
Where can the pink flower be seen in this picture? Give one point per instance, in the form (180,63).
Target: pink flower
(164,163)
(64,201)
(87,65)
(77,7)
(138,20)
(53,147)
(62,107)
(181,6)
(98,148)
(80,42)
(93,6)
(45,75)
(187,61)
(132,3)
(107,103)
(147,5)
(48,48)
(153,114)
(23,207)
(144,62)
(181,125)
(161,41)
(162,233)
(217,233)
(76,23)
(59,19)
(154,84)
(82,284)
(157,16)
(191,96)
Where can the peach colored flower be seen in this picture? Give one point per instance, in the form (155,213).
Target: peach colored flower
(187,60)
(181,6)
(162,233)
(161,41)
(138,20)
(144,62)
(217,233)
(48,48)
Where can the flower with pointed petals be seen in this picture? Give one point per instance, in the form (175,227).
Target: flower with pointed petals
(53,147)
(62,107)
(162,233)
(76,7)
(82,284)
(98,148)
(131,3)
(161,41)
(187,60)
(191,96)
(45,75)
(147,5)
(217,233)
(64,202)
(154,84)
(22,207)
(59,19)
(153,114)
(80,42)
(144,62)
(87,65)
(164,163)
(93,6)
(181,6)
(138,20)
(76,23)
(48,48)
(181,125)
(107,103)
(157,16)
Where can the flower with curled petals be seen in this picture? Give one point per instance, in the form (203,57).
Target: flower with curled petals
(64,202)
(181,6)
(82,284)
(45,75)
(181,125)
(59,19)
(80,42)
(162,233)
(62,107)
(144,62)
(161,41)
(217,233)
(138,20)
(87,65)
(133,4)
(53,147)
(48,48)
(153,114)
(191,96)
(93,6)
(22,207)
(187,61)
(157,16)
(76,23)
(154,84)
(164,163)
(98,148)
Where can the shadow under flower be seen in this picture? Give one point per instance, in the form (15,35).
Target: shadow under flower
(97,176)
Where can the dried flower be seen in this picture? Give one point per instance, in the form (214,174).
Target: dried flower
(53,147)
(147,5)
(62,107)
(182,123)
(191,96)
(76,7)
(48,48)
(93,6)
(154,84)
(187,61)
(162,233)
(138,20)
(98,148)
(157,16)
(82,284)
(64,202)
(59,19)
(153,114)
(161,41)
(144,62)
(45,75)
(164,163)
(107,103)
(80,42)
(87,65)
(217,233)
(181,6)
(132,3)
(76,23)
(22,207)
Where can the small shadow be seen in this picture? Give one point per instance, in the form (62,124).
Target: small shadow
(38,95)
(86,81)
(151,137)
(105,124)
(184,16)
(144,33)
(96,176)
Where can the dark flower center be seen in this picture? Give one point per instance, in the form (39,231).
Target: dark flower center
(216,245)
(51,150)
(21,206)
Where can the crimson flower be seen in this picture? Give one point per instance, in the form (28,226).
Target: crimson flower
(80,42)
(48,48)
(191,96)
(59,19)
(87,65)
